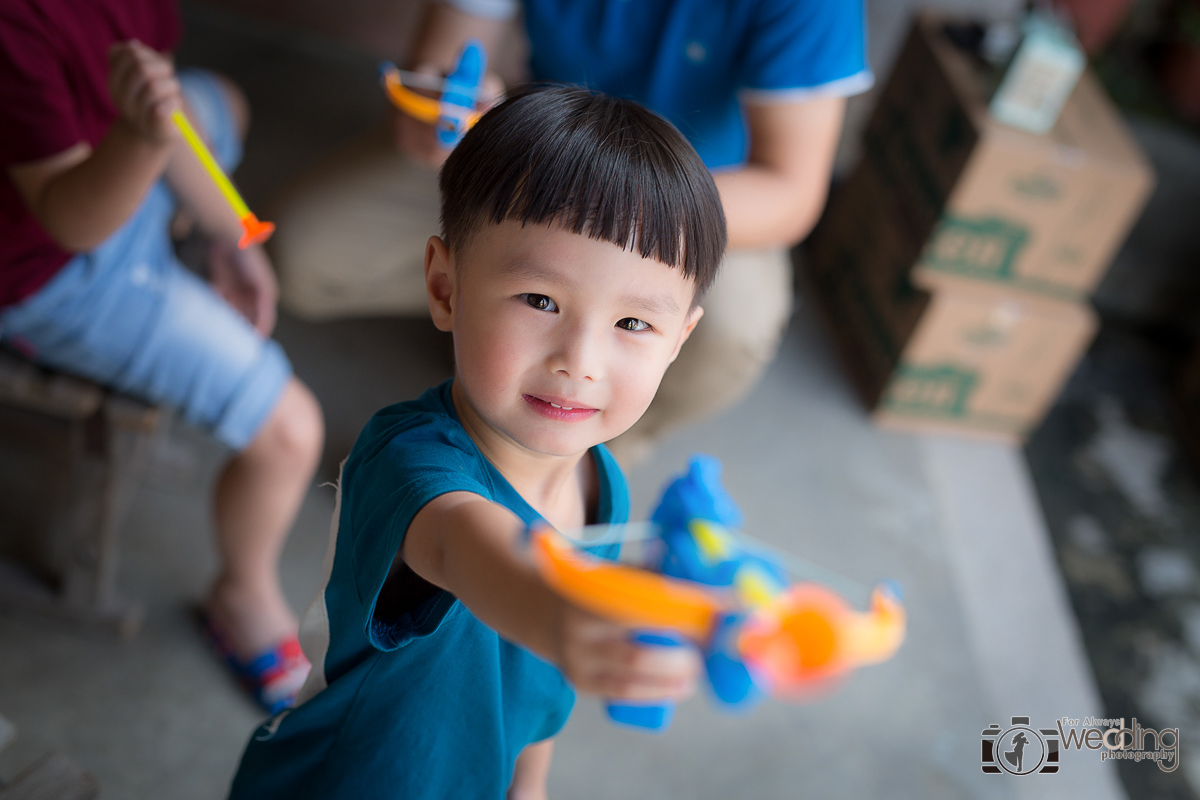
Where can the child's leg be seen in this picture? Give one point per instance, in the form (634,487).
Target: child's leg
(128,315)
(260,490)
(257,497)
(531,771)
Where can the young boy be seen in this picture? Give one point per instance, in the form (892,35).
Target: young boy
(579,232)
(92,171)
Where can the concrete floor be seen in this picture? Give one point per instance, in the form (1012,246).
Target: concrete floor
(955,522)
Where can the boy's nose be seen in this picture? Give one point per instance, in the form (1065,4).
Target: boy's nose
(577,354)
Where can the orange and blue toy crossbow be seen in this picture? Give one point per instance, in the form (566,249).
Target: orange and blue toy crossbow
(760,633)
(451,115)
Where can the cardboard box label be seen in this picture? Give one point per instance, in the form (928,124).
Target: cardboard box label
(979,248)
(943,390)
(943,393)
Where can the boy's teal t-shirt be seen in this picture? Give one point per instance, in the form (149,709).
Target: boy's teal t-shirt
(431,703)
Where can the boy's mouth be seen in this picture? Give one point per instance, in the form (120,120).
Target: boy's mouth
(559,408)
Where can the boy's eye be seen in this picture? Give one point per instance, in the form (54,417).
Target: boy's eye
(540,301)
(632,324)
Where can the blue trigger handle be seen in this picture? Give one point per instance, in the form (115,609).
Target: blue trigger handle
(649,715)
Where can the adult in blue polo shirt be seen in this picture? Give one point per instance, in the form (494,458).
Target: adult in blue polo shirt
(757,86)
(709,67)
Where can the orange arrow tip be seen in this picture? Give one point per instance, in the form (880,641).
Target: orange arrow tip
(254,231)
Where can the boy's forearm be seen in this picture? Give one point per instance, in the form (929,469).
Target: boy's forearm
(84,205)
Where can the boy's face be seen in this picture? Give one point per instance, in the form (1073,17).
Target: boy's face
(560,340)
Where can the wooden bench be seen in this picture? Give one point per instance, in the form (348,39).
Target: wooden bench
(54,777)
(70,456)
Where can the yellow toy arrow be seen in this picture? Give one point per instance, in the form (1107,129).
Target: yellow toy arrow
(254,231)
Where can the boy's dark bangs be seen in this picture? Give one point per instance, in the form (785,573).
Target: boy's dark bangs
(620,186)
(597,166)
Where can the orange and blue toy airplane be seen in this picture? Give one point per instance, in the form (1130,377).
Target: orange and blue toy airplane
(451,115)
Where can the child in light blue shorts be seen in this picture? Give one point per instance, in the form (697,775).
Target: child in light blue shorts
(94,172)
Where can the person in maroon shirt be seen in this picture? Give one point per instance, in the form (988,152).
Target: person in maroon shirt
(93,173)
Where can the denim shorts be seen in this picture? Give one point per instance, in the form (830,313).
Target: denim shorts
(128,315)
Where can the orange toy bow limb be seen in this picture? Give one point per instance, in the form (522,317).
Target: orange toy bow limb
(426,109)
(625,594)
(876,635)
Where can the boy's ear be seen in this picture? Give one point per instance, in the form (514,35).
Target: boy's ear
(689,325)
(440,283)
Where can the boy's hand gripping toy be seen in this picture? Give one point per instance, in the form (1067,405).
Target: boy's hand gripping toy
(759,634)
(454,113)
(253,230)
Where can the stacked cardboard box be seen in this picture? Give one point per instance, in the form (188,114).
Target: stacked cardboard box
(954,265)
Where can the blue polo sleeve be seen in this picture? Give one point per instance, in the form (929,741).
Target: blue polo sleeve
(489,9)
(796,49)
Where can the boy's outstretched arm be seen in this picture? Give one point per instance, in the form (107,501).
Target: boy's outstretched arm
(82,196)
(471,548)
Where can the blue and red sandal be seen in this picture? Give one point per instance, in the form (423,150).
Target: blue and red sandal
(272,678)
